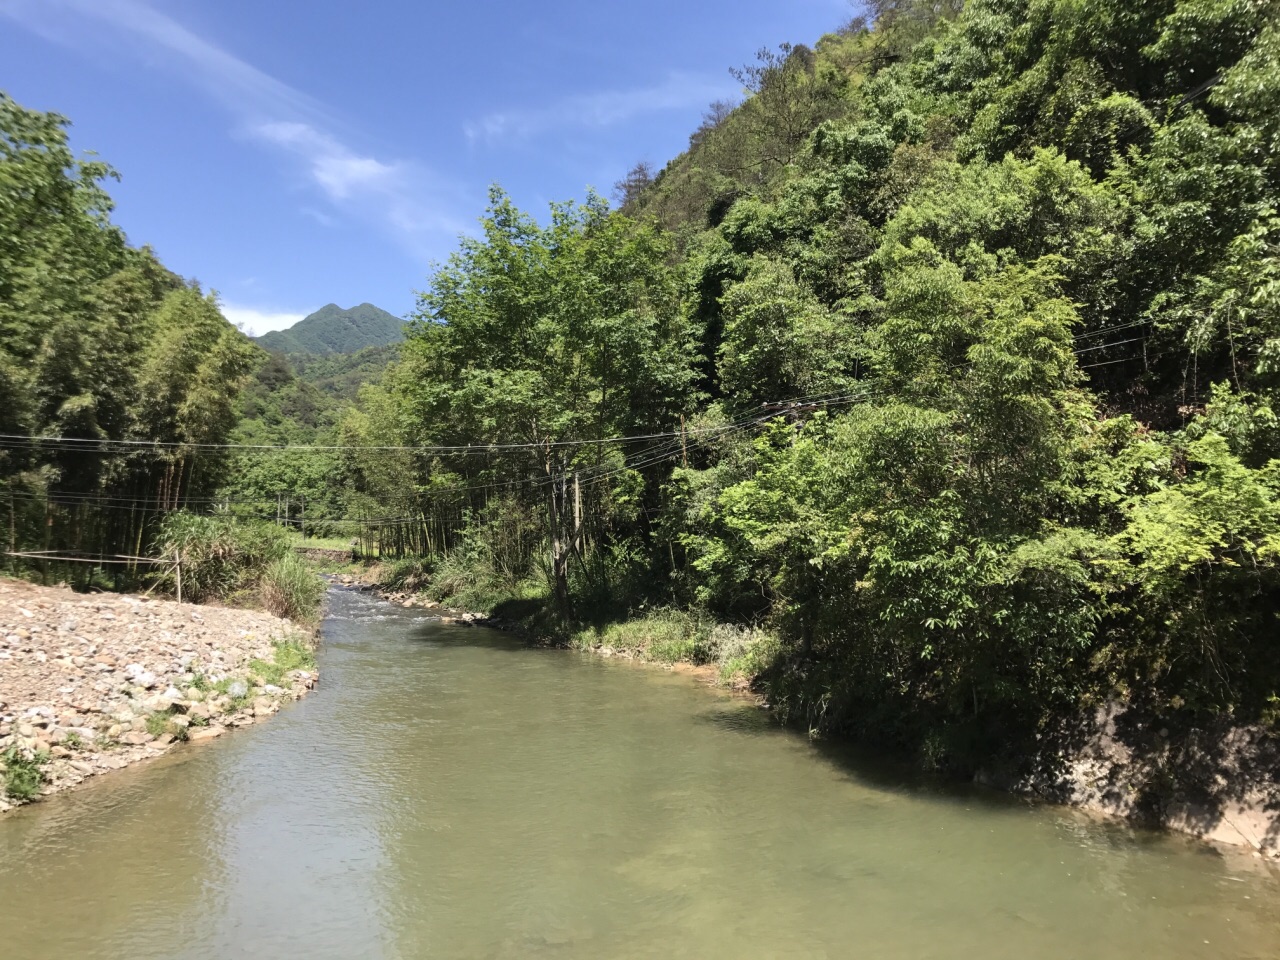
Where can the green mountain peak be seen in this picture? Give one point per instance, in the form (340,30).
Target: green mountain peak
(331,329)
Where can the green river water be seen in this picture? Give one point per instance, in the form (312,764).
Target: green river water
(447,793)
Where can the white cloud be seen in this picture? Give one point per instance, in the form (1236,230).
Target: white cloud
(257,322)
(402,197)
(336,169)
(679,91)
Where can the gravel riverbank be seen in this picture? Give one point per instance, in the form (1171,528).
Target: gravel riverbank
(95,682)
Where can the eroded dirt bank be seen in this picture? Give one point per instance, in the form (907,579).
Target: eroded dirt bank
(95,682)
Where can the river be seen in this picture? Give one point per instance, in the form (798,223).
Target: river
(448,793)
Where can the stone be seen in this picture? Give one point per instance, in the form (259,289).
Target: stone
(206,733)
(137,738)
(238,688)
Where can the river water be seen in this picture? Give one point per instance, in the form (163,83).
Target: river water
(447,793)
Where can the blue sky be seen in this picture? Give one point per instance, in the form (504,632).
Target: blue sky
(288,154)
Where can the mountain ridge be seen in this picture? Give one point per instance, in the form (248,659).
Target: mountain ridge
(332,329)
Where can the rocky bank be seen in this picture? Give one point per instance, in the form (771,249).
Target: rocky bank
(95,682)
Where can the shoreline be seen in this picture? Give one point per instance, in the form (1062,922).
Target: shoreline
(1209,785)
(91,683)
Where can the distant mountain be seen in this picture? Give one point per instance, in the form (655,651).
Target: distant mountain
(334,330)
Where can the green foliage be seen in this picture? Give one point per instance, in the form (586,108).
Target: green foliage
(288,655)
(98,342)
(23,773)
(218,554)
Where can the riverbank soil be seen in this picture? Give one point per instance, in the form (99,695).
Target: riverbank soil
(95,682)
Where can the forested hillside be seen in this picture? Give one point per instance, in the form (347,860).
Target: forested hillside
(948,363)
(298,401)
(334,330)
(133,371)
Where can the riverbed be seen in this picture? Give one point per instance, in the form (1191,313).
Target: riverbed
(447,792)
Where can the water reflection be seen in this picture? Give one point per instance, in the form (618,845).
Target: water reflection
(448,793)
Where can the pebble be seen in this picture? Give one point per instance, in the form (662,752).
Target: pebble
(83,698)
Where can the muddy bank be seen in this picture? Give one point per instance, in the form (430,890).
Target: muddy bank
(95,682)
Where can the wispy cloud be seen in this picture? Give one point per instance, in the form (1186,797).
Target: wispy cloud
(336,169)
(257,322)
(400,195)
(679,91)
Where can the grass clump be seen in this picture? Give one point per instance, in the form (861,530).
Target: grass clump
(408,573)
(160,722)
(293,653)
(222,688)
(667,636)
(23,773)
(291,589)
(157,722)
(680,636)
(219,554)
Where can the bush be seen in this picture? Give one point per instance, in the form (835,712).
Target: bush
(290,588)
(218,554)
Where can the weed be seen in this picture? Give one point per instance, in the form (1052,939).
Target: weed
(158,723)
(293,653)
(73,741)
(23,773)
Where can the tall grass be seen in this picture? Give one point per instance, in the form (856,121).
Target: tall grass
(682,636)
(218,555)
(290,588)
(222,558)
